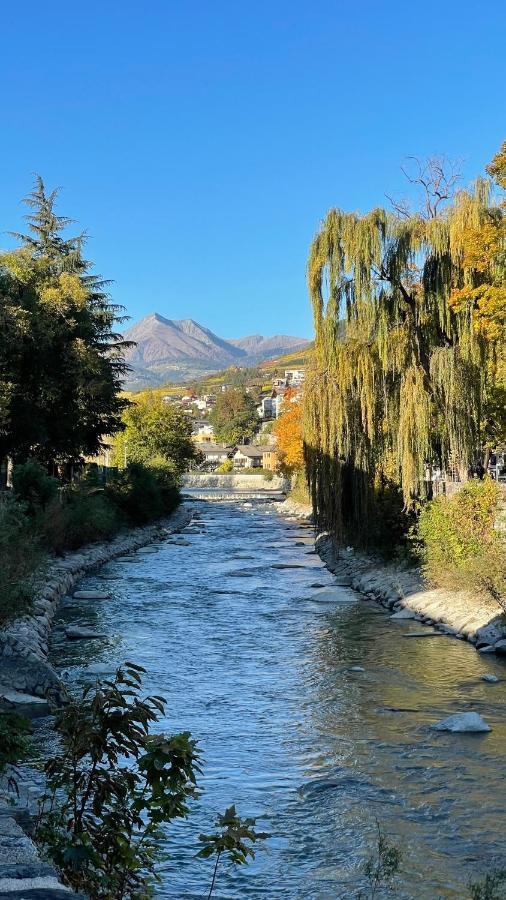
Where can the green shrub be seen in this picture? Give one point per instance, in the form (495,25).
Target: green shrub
(299,492)
(268,475)
(492,887)
(226,466)
(21,556)
(33,486)
(168,483)
(14,739)
(460,546)
(78,519)
(15,746)
(136,493)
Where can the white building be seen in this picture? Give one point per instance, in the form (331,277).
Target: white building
(248,457)
(270,407)
(294,377)
(202,430)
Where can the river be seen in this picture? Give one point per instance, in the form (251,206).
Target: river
(259,669)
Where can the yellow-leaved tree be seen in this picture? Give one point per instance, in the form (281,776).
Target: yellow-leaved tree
(409,313)
(288,430)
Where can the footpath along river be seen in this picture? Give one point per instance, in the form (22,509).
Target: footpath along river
(258,665)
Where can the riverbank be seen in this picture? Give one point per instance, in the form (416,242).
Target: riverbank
(27,681)
(291,508)
(404,592)
(251,638)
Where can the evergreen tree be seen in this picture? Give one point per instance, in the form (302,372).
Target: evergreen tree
(61,357)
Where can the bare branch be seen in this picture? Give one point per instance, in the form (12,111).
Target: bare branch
(401,207)
(437,177)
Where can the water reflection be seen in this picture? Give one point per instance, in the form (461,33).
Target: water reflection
(258,668)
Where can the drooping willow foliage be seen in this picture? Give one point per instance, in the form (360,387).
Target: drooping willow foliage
(398,373)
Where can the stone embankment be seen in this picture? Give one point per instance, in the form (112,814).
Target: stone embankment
(27,683)
(404,593)
(24,669)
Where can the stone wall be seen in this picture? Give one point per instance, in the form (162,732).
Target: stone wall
(24,642)
(233,482)
(404,592)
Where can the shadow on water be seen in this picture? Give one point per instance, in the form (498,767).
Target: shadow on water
(259,669)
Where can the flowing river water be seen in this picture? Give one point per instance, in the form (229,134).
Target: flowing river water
(258,665)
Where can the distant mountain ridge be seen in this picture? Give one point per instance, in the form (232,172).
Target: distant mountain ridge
(181,350)
(256,345)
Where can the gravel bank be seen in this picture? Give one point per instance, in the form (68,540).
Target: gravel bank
(291,508)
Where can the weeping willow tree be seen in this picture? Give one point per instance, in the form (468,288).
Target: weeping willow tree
(399,370)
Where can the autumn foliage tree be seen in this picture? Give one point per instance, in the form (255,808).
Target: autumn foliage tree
(288,430)
(409,326)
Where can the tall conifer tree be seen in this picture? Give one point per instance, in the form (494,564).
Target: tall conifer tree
(62,358)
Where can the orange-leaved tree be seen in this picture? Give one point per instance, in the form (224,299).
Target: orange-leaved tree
(288,430)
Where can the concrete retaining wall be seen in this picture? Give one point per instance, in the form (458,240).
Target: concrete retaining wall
(229,482)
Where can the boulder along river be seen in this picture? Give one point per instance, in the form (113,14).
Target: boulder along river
(313,712)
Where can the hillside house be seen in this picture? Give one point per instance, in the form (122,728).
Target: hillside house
(247,456)
(215,453)
(270,407)
(202,430)
(294,377)
(266,408)
(204,403)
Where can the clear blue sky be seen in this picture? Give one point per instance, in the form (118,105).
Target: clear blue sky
(200,143)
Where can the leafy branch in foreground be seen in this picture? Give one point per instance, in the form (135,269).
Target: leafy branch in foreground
(111,787)
(235,839)
(114,785)
(382,868)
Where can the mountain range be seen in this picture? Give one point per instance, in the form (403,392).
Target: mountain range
(182,350)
